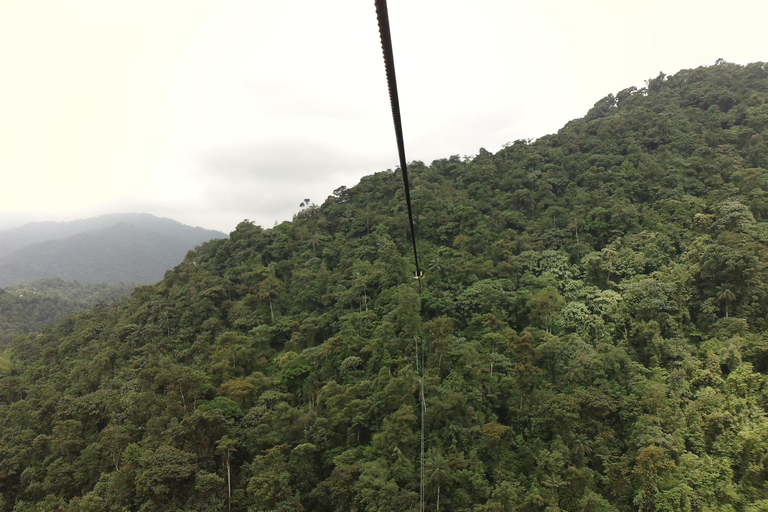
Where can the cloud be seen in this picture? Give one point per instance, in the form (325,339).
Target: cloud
(284,100)
(266,182)
(266,162)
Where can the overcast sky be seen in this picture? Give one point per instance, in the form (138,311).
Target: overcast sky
(214,111)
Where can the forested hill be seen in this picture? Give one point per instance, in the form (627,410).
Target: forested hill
(116,248)
(29,308)
(36,232)
(594,315)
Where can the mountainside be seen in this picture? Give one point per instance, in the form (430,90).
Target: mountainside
(29,308)
(127,248)
(593,321)
(36,232)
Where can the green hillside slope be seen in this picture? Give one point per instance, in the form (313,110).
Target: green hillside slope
(593,313)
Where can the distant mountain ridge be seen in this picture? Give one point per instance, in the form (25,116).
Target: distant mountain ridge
(35,232)
(116,248)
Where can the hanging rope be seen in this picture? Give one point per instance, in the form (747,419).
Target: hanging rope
(389,62)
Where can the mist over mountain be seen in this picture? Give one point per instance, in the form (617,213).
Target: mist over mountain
(116,248)
(592,335)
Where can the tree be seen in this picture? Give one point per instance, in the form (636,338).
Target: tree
(269,288)
(544,305)
(725,294)
(165,475)
(226,446)
(436,472)
(271,487)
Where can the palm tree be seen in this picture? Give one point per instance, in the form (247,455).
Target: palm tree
(314,239)
(437,471)
(269,289)
(434,265)
(725,294)
(554,482)
(609,255)
(348,217)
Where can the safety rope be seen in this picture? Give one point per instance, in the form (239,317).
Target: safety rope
(389,62)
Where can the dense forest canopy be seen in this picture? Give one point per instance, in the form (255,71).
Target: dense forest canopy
(29,308)
(594,316)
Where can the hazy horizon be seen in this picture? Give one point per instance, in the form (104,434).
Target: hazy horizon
(17,224)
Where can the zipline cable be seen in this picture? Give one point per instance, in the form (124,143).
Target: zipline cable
(389,62)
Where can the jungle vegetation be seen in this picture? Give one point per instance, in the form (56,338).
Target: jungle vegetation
(593,316)
(28,308)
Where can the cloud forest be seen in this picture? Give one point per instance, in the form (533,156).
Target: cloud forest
(590,336)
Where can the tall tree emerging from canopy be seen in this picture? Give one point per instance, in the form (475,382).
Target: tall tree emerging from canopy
(269,288)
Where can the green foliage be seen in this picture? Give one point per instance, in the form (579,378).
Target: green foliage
(594,317)
(31,307)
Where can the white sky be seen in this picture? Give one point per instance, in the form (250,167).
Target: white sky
(214,111)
